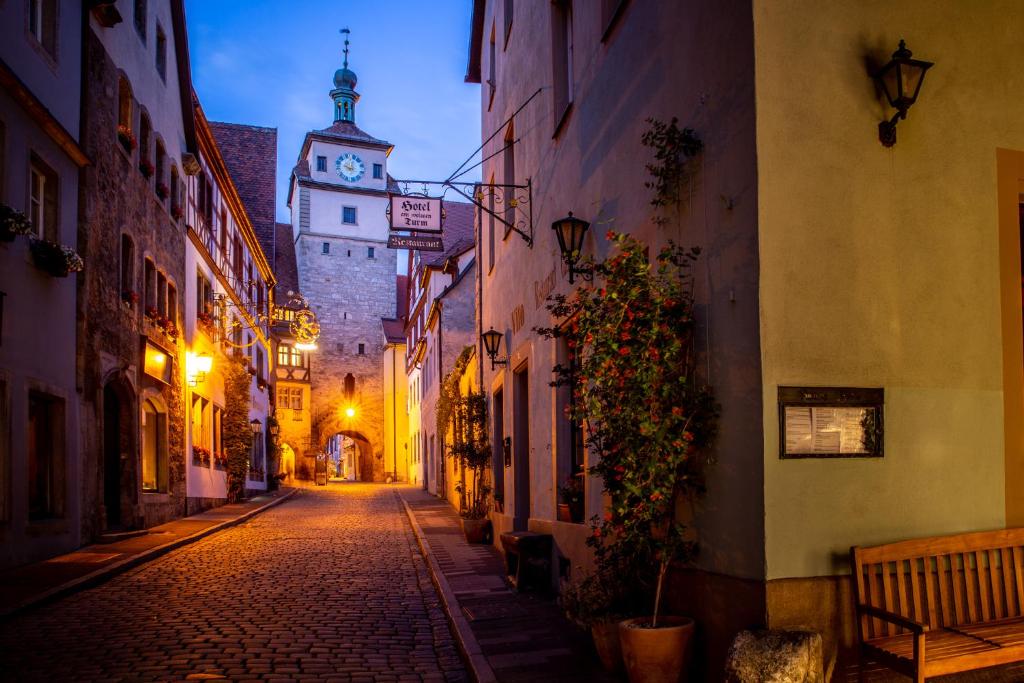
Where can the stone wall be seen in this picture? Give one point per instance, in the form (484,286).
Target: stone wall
(350,293)
(116,199)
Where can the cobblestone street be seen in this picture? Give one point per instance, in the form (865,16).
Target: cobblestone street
(328,586)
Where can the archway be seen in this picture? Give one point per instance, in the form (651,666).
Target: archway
(350,457)
(119,441)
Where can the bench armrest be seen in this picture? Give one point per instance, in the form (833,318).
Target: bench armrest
(885,615)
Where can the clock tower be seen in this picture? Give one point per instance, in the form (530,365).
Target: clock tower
(337,195)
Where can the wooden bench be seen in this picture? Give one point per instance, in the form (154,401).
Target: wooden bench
(942,605)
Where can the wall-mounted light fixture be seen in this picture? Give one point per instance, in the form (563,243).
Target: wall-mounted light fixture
(492,344)
(350,412)
(198,366)
(901,81)
(570,232)
(256,426)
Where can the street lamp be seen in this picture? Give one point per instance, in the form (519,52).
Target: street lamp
(570,232)
(256,426)
(350,412)
(901,80)
(275,429)
(492,343)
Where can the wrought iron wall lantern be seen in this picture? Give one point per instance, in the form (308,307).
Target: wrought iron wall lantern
(492,344)
(256,426)
(302,321)
(901,81)
(570,232)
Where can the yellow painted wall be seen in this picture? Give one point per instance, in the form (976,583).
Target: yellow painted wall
(880,267)
(396,415)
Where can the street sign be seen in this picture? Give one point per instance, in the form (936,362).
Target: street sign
(422,214)
(427,243)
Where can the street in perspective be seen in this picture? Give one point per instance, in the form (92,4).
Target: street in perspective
(512,341)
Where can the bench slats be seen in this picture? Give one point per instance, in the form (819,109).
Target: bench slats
(915,590)
(970,587)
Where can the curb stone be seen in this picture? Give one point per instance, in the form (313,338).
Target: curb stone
(467,642)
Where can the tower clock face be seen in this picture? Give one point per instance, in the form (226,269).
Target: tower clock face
(350,167)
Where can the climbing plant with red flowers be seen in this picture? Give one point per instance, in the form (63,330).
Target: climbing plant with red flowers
(648,418)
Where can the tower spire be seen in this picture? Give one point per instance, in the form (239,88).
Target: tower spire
(344,94)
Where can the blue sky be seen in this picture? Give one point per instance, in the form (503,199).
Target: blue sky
(271,63)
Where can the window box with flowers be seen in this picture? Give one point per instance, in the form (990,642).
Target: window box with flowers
(206,322)
(55,259)
(127,140)
(261,384)
(167,326)
(177,212)
(129,298)
(220,461)
(201,456)
(152,313)
(13,223)
(146,168)
(162,191)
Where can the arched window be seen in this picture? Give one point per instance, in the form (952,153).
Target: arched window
(160,163)
(149,282)
(175,194)
(127,269)
(124,105)
(144,132)
(350,386)
(154,448)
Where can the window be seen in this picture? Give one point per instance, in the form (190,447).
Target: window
(144,131)
(819,422)
(257,467)
(204,295)
(207,200)
(509,10)
(127,281)
(161,294)
(296,398)
(45,446)
(149,285)
(154,448)
(369,252)
(43,200)
(321,164)
(378,171)
(140,18)
(172,303)
(561,54)
(259,363)
(611,10)
(161,53)
(42,24)
(288,355)
(160,163)
(201,431)
(569,434)
(223,235)
(124,105)
(492,82)
(175,195)
(348,215)
(218,434)
(326,248)
(236,249)
(362,349)
(509,175)
(490,226)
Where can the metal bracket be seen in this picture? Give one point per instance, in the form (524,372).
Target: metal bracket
(518,200)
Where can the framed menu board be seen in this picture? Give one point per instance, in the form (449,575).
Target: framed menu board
(831,422)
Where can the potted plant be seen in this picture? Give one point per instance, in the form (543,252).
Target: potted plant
(152,313)
(55,259)
(499,501)
(13,223)
(177,212)
(570,496)
(125,137)
(162,191)
(649,420)
(146,168)
(201,455)
(597,604)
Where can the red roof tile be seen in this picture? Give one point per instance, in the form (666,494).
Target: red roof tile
(394,330)
(459,233)
(250,153)
(286,268)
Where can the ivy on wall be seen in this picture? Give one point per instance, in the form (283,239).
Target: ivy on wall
(237,432)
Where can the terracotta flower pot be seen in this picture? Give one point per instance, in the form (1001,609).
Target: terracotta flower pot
(477,530)
(607,644)
(564,514)
(656,655)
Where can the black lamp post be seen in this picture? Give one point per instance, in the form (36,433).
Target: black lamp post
(570,232)
(901,80)
(492,344)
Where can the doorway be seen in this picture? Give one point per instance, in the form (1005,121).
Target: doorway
(498,454)
(521,447)
(112,434)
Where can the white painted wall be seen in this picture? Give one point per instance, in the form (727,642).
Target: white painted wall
(332,151)
(325,214)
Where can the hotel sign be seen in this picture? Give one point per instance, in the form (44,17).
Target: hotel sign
(419,214)
(427,243)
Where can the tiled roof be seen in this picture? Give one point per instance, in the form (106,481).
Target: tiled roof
(394,330)
(286,268)
(250,153)
(343,130)
(458,236)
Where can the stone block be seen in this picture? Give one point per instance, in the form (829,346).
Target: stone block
(774,656)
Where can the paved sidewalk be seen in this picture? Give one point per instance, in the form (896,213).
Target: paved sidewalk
(506,636)
(40,582)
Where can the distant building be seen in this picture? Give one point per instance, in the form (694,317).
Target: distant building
(41,152)
(337,195)
(442,321)
(829,261)
(396,387)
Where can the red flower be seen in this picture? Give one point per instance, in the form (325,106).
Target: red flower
(624,351)
(677,411)
(656,495)
(687,436)
(625,336)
